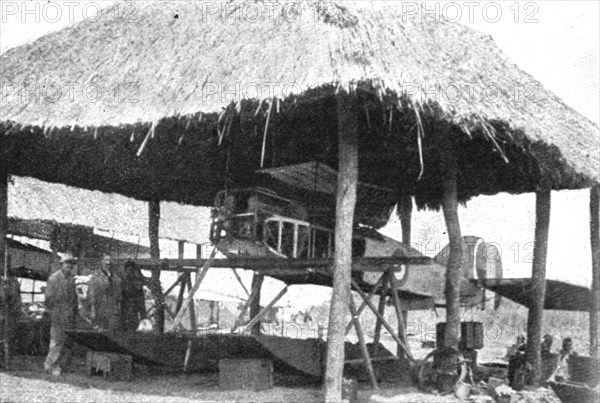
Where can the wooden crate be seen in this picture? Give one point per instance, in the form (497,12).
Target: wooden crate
(350,390)
(249,374)
(111,366)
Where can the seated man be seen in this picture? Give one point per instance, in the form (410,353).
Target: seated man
(561,373)
(517,366)
(512,350)
(548,358)
(546,345)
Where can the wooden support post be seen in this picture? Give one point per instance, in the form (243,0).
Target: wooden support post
(383,321)
(180,249)
(363,305)
(192,305)
(381,310)
(595,244)
(347,112)
(405,209)
(153,225)
(200,274)
(449,169)
(361,340)
(175,284)
(180,252)
(401,320)
(170,313)
(255,321)
(239,279)
(3,257)
(240,318)
(538,282)
(182,285)
(186,281)
(405,212)
(257,281)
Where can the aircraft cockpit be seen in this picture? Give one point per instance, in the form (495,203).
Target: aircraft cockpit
(259,222)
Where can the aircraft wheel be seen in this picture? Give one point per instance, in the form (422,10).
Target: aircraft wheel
(441,370)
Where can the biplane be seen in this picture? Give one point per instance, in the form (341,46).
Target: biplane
(283,228)
(260,223)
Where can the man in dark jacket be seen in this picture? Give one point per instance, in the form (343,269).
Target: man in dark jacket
(133,303)
(10,313)
(61,303)
(104,293)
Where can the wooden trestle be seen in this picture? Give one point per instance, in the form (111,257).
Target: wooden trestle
(299,271)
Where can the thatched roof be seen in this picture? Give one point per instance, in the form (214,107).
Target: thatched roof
(169,136)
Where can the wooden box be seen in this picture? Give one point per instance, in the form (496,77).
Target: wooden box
(249,374)
(349,390)
(111,366)
(584,369)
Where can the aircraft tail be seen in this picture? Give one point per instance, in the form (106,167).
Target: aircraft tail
(480,260)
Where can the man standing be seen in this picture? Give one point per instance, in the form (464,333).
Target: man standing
(133,303)
(10,313)
(61,303)
(104,293)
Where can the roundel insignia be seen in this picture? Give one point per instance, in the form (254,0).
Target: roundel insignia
(401,276)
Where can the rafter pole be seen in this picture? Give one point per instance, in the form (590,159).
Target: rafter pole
(538,283)
(449,169)
(347,112)
(361,340)
(595,244)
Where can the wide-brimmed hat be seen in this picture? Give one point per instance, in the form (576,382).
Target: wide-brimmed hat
(67,257)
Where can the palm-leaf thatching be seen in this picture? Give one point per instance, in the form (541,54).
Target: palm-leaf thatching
(185,109)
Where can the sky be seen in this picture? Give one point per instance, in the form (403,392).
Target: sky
(557,42)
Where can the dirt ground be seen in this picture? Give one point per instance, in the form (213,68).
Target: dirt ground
(27,383)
